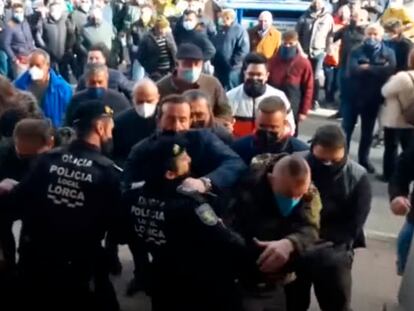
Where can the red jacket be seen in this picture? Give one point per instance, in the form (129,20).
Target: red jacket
(295,78)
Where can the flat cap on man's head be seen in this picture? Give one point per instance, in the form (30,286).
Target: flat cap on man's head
(189,51)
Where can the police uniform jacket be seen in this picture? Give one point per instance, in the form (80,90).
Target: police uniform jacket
(194,256)
(67,203)
(210,158)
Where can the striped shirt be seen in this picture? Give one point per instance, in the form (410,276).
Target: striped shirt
(164,62)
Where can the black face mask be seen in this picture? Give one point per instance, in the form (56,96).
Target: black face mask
(254,88)
(268,141)
(313,8)
(323,169)
(199,124)
(352,23)
(107,147)
(170,133)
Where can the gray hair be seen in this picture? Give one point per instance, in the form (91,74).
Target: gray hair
(42,53)
(266,14)
(375,26)
(194,94)
(92,69)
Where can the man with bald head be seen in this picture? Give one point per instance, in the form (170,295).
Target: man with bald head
(138,122)
(264,37)
(277,210)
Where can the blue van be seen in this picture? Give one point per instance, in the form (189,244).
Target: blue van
(285,12)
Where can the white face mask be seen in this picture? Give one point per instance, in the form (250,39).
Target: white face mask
(97,16)
(189,25)
(85,7)
(396,4)
(56,15)
(123,41)
(36,73)
(145,110)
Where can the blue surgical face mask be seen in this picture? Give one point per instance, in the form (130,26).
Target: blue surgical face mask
(190,75)
(372,44)
(286,205)
(96,92)
(18,17)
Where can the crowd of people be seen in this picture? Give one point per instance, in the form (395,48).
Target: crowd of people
(171,128)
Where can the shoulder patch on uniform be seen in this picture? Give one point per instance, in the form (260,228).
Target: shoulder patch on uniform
(207,214)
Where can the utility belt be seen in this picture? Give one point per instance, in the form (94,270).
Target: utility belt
(81,264)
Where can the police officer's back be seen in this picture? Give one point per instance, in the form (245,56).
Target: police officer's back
(67,204)
(194,257)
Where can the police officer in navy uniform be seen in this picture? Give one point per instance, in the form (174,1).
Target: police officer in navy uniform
(67,204)
(193,256)
(214,165)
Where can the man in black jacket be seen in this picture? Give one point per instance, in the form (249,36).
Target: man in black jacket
(206,24)
(55,34)
(97,89)
(215,164)
(99,54)
(370,65)
(345,192)
(80,18)
(138,122)
(188,32)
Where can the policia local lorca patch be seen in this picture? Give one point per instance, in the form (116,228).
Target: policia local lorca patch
(207,214)
(64,188)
